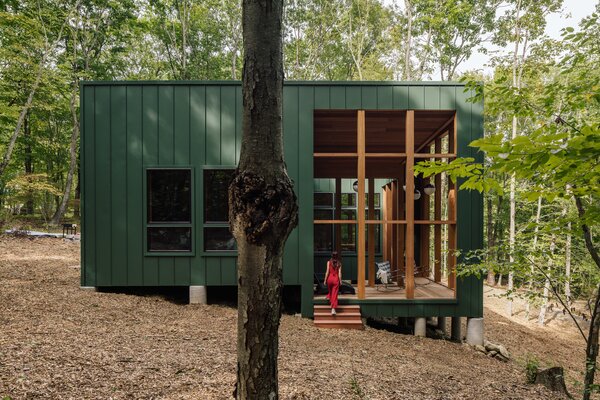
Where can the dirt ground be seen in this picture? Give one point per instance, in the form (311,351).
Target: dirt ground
(59,341)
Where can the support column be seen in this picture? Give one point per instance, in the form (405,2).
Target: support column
(475,331)
(410,204)
(401,232)
(455,329)
(338,215)
(441,324)
(198,295)
(424,233)
(394,228)
(421,327)
(452,217)
(361,204)
(437,230)
(371,229)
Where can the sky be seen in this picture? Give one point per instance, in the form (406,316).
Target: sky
(573,11)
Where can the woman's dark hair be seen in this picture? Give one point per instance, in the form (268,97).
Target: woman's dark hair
(335,260)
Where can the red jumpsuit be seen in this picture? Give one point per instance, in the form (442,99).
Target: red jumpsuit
(333,284)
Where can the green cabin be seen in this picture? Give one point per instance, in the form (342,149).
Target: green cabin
(156,158)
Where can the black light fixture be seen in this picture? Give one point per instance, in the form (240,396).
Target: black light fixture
(429,189)
(355,186)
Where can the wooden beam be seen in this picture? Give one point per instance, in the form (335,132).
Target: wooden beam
(371,229)
(385,155)
(438,133)
(435,155)
(361,203)
(389,216)
(410,204)
(437,232)
(334,155)
(338,215)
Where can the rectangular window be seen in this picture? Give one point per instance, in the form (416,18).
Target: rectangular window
(323,200)
(217,236)
(169,210)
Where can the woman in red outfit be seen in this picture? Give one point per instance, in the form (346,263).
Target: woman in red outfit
(333,279)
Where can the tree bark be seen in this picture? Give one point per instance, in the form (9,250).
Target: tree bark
(408,44)
(262,203)
(544,308)
(535,239)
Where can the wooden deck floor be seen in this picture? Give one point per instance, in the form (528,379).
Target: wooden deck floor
(424,289)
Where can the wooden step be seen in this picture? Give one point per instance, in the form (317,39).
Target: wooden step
(346,317)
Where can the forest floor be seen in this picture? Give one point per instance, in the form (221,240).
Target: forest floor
(60,341)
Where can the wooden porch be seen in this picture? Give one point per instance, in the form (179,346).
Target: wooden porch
(425,288)
(368,145)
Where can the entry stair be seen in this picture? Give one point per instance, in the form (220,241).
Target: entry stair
(347,317)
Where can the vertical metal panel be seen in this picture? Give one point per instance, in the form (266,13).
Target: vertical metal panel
(89,243)
(213,271)
(150,157)
(321,97)
(118,185)
(369,97)
(181,133)
(416,97)
(166,266)
(228,271)
(466,285)
(135,196)
(337,97)
(228,125)
(432,98)
(305,195)
(103,189)
(400,97)
(477,209)
(290,146)
(385,97)
(353,97)
(166,155)
(181,125)
(197,134)
(165,126)
(238,123)
(448,97)
(213,125)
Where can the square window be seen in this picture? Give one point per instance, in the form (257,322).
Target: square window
(169,195)
(219,239)
(216,194)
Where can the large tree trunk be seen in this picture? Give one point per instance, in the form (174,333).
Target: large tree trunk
(60,212)
(262,203)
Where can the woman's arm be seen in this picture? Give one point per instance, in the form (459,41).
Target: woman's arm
(340,272)
(326,273)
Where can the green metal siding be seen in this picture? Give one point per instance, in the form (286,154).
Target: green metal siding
(128,126)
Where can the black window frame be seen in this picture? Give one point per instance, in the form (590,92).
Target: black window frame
(151,225)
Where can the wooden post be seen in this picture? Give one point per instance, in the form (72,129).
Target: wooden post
(410,204)
(401,230)
(371,229)
(385,216)
(394,255)
(338,215)
(424,232)
(389,213)
(361,204)
(437,230)
(451,263)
